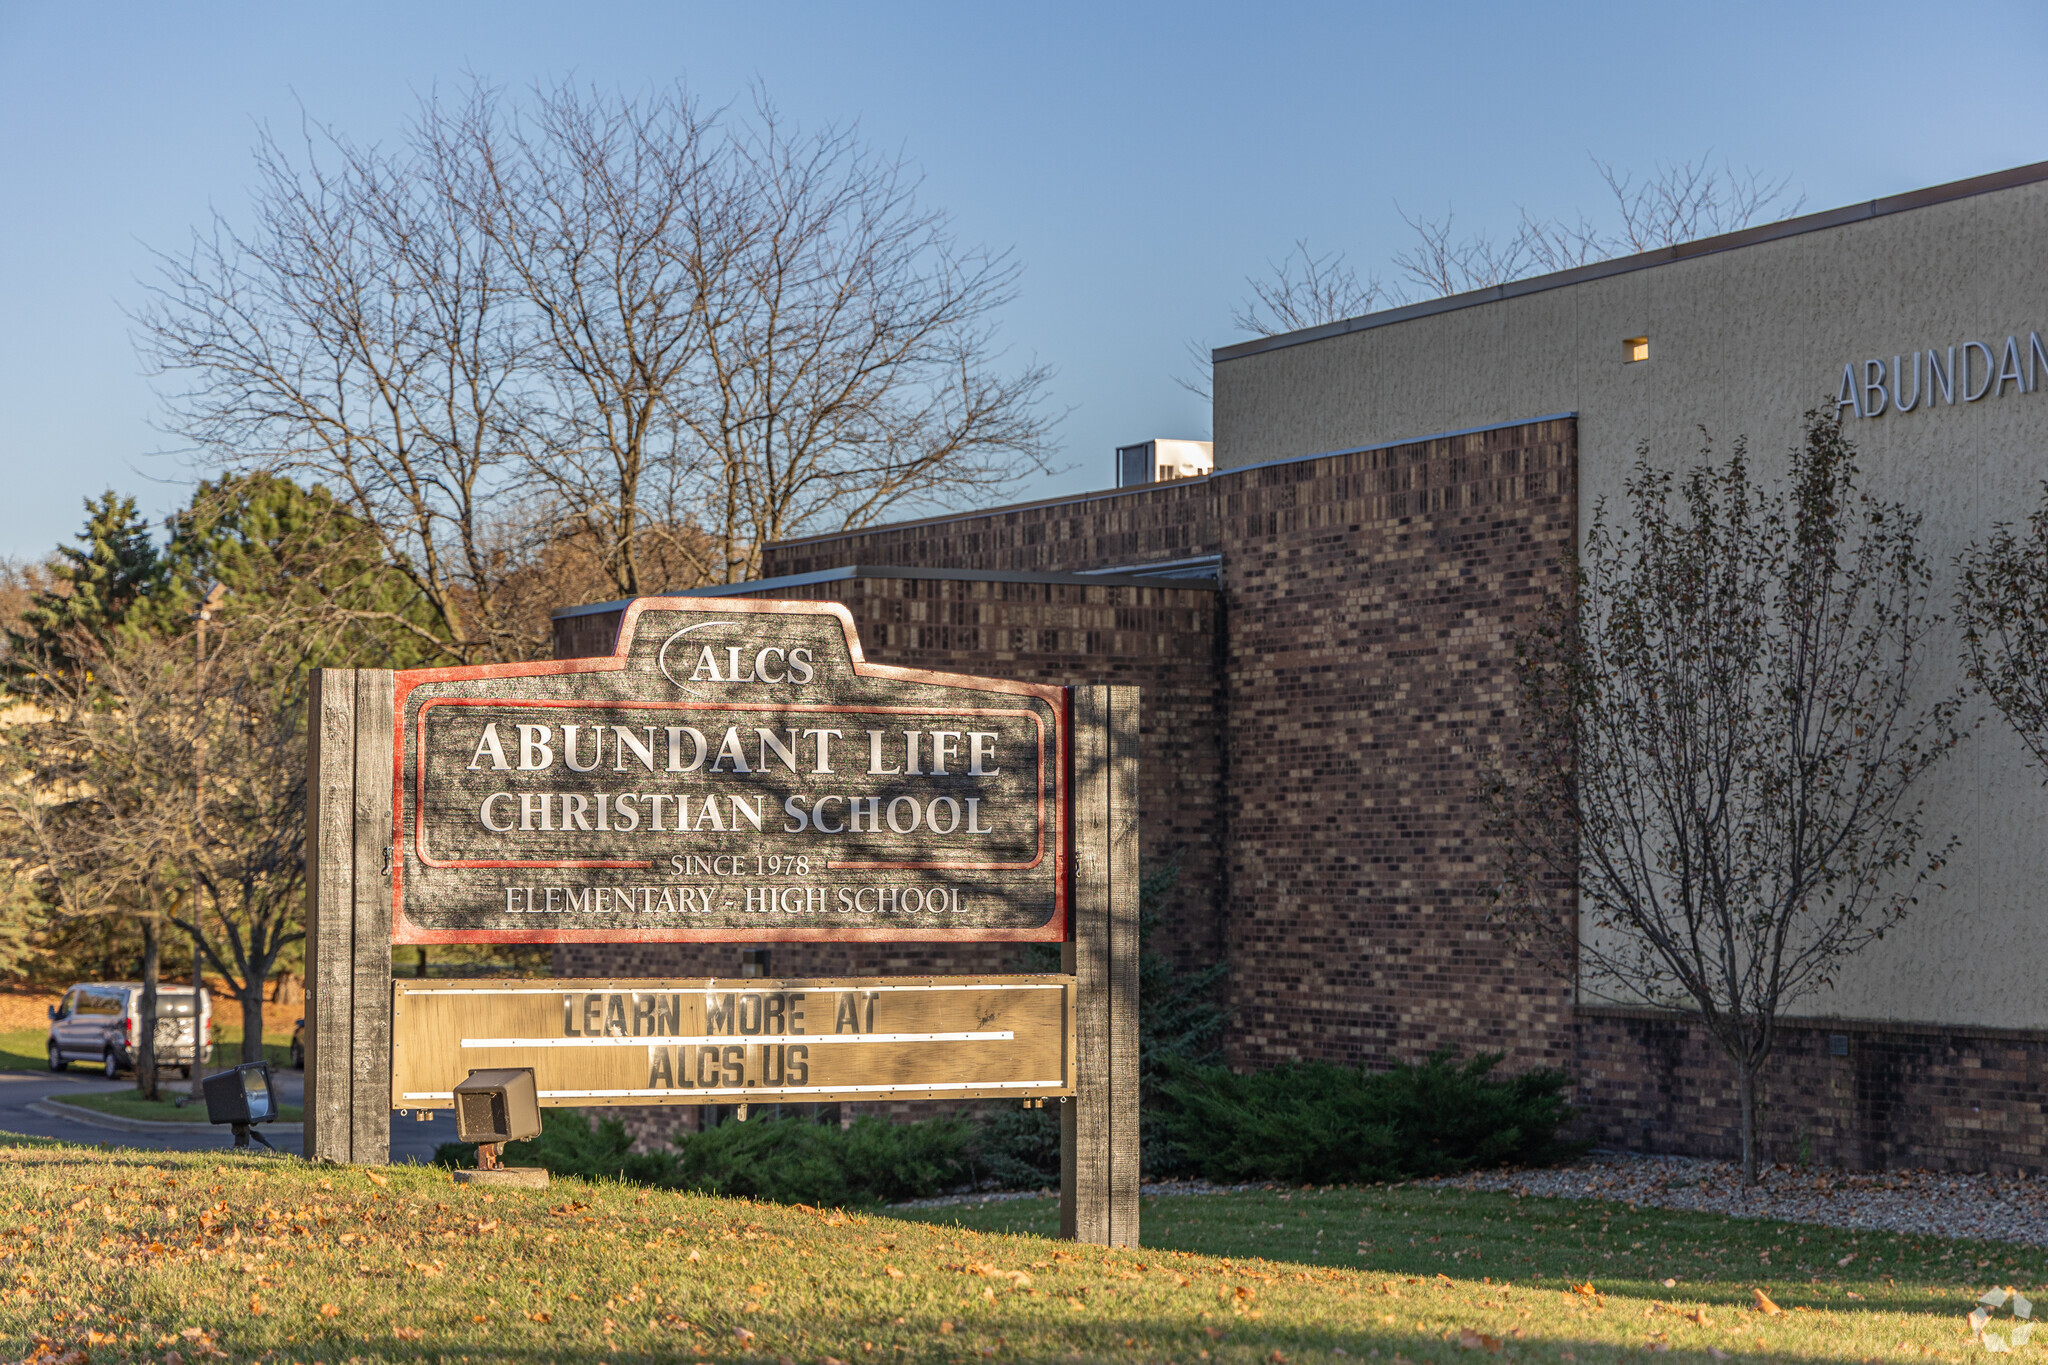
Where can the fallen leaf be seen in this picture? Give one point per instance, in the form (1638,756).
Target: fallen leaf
(1671,1284)
(379,1181)
(255,1306)
(695,1255)
(1477,1341)
(1699,1315)
(541,1317)
(946,1328)
(408,1333)
(193,1333)
(1764,1304)
(1585,1289)
(330,1310)
(743,1334)
(1846,1259)
(892,1272)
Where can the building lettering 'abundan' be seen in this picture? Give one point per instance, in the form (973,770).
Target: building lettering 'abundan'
(1322,627)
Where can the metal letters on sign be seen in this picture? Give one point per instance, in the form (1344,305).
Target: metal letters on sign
(738,1041)
(734,771)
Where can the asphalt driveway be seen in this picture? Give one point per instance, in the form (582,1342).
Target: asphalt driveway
(25,1107)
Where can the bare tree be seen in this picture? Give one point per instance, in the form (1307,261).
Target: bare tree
(1723,729)
(664,336)
(1300,290)
(1442,263)
(84,814)
(1684,201)
(1681,201)
(849,348)
(2003,604)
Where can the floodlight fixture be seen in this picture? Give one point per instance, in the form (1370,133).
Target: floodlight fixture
(242,1096)
(493,1108)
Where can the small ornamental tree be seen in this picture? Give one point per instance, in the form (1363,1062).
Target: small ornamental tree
(1723,727)
(2003,603)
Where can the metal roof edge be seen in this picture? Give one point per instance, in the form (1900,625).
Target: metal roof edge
(2012,178)
(1118,578)
(1389,445)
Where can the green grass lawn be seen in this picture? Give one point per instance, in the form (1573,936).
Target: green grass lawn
(129,1105)
(123,1254)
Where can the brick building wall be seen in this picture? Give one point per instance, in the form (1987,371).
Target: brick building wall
(1866,1094)
(1372,600)
(1365,666)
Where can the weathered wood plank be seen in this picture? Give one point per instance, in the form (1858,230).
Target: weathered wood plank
(370,923)
(1085,1153)
(330,883)
(1122,973)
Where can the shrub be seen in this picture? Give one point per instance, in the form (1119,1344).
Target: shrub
(793,1161)
(1016,1149)
(1179,1025)
(1315,1122)
(783,1160)
(570,1144)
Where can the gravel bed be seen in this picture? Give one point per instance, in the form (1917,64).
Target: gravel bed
(1932,1203)
(1938,1203)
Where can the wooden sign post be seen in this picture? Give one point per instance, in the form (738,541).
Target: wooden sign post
(735,771)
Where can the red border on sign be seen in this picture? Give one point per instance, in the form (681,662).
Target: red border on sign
(1055,930)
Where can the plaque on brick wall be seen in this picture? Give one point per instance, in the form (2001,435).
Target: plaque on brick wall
(738,1042)
(734,770)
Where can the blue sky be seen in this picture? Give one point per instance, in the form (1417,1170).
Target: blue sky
(1140,159)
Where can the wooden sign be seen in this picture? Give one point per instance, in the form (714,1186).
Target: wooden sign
(738,1041)
(734,771)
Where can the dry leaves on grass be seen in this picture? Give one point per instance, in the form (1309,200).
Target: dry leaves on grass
(1477,1341)
(1764,1304)
(408,1333)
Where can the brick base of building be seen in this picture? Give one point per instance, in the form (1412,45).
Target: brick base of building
(1855,1093)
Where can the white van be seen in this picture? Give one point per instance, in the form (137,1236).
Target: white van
(100,1021)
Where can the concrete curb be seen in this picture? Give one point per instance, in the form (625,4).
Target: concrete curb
(52,1109)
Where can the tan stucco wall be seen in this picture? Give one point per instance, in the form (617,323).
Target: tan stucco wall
(1743,342)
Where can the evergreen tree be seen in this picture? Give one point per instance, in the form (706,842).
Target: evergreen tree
(115,567)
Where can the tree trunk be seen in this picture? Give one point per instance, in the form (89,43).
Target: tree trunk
(252,1018)
(289,990)
(145,1042)
(1745,1093)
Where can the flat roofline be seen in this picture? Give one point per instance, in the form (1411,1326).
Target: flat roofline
(1622,265)
(1113,579)
(1190,482)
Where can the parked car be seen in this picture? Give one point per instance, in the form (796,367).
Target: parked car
(101,1021)
(298,1045)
